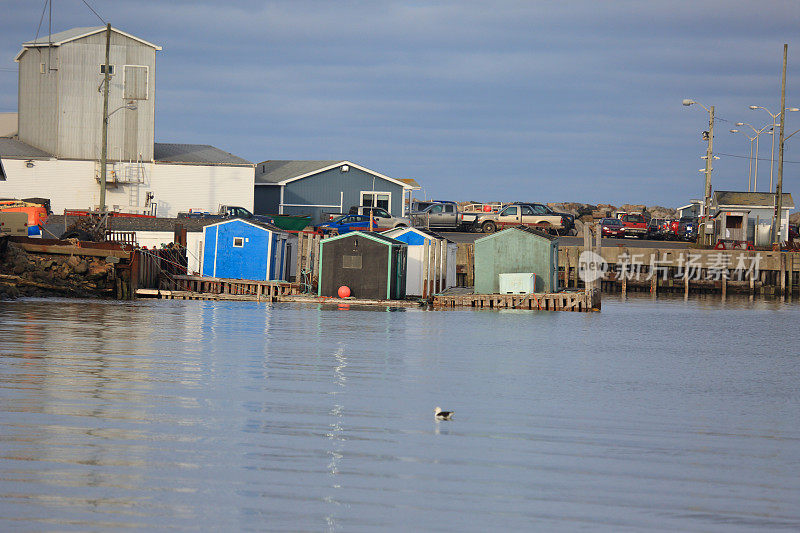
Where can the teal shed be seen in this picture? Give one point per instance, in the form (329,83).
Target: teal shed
(516,250)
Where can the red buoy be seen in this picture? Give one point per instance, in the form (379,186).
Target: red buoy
(344,291)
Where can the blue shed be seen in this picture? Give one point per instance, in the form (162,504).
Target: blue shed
(314,188)
(240,249)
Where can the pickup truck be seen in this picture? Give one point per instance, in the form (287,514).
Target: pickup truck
(532,215)
(635,224)
(444,215)
(228,211)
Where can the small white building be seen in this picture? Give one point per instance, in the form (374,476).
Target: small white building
(747,216)
(441,264)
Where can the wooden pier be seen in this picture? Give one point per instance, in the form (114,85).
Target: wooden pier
(585,300)
(202,288)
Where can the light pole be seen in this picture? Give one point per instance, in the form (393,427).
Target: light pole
(709,136)
(753,166)
(774,125)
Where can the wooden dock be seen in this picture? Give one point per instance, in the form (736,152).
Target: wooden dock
(201,288)
(585,300)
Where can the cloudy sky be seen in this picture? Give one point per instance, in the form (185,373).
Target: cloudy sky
(503,100)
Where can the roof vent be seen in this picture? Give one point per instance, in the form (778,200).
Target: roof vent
(345,168)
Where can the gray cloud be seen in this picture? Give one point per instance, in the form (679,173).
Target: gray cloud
(572,100)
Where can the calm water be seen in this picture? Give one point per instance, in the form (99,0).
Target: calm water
(239,416)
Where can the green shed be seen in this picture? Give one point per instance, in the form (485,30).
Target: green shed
(516,250)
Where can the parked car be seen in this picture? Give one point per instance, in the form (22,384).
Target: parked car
(635,224)
(385,220)
(531,215)
(612,227)
(687,228)
(656,229)
(348,223)
(444,215)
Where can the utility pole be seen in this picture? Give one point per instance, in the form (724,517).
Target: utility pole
(104,147)
(776,220)
(702,237)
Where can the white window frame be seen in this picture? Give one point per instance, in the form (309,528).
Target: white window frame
(388,193)
(241,240)
(146,85)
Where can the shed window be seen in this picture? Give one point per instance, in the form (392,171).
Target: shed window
(351,261)
(110,69)
(238,242)
(733,221)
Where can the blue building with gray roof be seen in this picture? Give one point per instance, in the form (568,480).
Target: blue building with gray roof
(316,187)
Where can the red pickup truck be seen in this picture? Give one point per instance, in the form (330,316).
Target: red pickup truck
(635,224)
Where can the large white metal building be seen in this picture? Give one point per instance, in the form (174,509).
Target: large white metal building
(57,149)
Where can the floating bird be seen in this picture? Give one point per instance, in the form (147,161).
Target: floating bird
(438,414)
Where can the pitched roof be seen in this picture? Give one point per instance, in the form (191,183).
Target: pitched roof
(278,171)
(57,39)
(282,172)
(193,154)
(422,231)
(382,239)
(256,223)
(412,182)
(751,199)
(16,149)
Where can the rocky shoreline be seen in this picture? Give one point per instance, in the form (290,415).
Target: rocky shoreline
(25,274)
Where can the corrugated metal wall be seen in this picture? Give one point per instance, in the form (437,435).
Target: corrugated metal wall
(61,110)
(38,99)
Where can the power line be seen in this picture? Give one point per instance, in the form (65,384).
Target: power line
(44,8)
(748,157)
(95,12)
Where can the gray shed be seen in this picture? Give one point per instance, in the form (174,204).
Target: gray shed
(516,250)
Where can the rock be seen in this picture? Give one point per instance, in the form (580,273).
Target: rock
(81,268)
(73,261)
(97,270)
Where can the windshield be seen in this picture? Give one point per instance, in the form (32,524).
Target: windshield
(635,219)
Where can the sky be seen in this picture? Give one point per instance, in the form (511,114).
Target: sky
(506,100)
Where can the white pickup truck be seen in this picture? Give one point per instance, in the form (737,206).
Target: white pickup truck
(531,215)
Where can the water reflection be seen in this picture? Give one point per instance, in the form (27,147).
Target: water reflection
(660,414)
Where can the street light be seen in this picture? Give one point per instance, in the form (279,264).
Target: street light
(752,166)
(701,235)
(774,125)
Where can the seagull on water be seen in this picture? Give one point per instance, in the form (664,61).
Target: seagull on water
(438,414)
